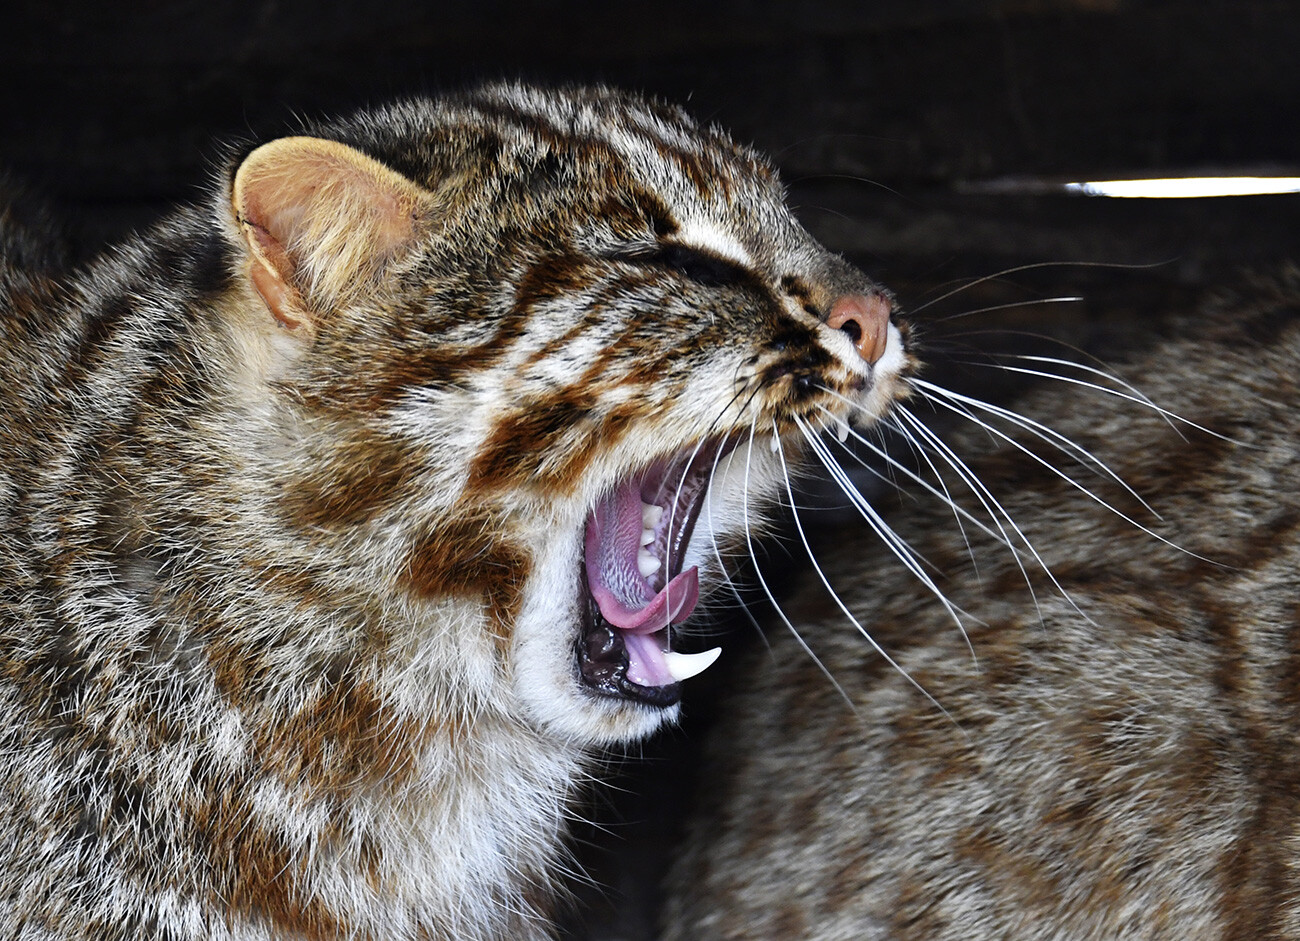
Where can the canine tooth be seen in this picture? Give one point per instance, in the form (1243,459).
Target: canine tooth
(647,564)
(842,431)
(647,536)
(775,444)
(651,514)
(683,666)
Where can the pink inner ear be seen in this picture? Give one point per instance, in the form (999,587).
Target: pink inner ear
(321,206)
(281,299)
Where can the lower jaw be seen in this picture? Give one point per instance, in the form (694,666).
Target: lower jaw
(603,665)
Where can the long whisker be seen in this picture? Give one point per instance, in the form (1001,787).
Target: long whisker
(1139,398)
(1030,267)
(1046,434)
(677,494)
(1102,373)
(993,308)
(803,537)
(943,396)
(827,428)
(992,362)
(911,559)
(713,539)
(992,506)
(749,541)
(943,495)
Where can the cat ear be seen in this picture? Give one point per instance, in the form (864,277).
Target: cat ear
(320,219)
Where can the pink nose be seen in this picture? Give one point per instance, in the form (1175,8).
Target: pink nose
(864,319)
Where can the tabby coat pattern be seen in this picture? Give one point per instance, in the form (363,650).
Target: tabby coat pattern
(1118,763)
(319,575)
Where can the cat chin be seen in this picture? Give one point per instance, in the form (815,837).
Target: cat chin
(546,678)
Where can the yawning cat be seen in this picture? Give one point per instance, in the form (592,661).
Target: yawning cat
(345,515)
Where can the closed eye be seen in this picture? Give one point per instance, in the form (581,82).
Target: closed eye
(703,268)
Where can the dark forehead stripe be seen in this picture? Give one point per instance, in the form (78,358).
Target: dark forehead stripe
(630,209)
(561,128)
(436,361)
(545,130)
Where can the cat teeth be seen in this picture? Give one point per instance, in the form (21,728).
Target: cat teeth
(647,564)
(683,666)
(775,444)
(651,515)
(842,431)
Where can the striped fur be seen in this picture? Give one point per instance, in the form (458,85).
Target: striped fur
(1118,763)
(292,499)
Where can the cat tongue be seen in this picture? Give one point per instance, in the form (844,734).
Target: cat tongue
(622,593)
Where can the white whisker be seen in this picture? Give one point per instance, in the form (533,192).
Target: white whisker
(941,398)
(993,308)
(992,506)
(1139,398)
(1019,268)
(911,559)
(1048,435)
(943,495)
(713,539)
(749,541)
(803,537)
(1103,373)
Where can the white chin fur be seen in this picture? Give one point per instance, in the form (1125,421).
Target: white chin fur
(545,660)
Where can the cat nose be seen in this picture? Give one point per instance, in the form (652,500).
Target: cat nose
(864,319)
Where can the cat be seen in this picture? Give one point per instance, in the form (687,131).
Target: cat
(348,514)
(1108,751)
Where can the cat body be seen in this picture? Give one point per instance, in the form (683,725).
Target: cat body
(317,591)
(1113,755)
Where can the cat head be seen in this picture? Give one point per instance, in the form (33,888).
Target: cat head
(543,358)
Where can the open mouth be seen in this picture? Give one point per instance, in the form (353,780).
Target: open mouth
(635,585)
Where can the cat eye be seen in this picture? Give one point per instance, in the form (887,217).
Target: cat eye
(704,269)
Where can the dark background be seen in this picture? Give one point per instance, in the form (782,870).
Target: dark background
(917,136)
(878,112)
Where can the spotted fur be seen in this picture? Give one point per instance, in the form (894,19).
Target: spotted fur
(1118,754)
(292,500)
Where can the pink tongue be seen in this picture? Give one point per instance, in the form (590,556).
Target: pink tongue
(622,593)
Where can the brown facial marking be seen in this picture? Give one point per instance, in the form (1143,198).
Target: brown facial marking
(439,363)
(560,275)
(514,453)
(555,276)
(630,213)
(797,289)
(263,878)
(564,474)
(343,737)
(465,557)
